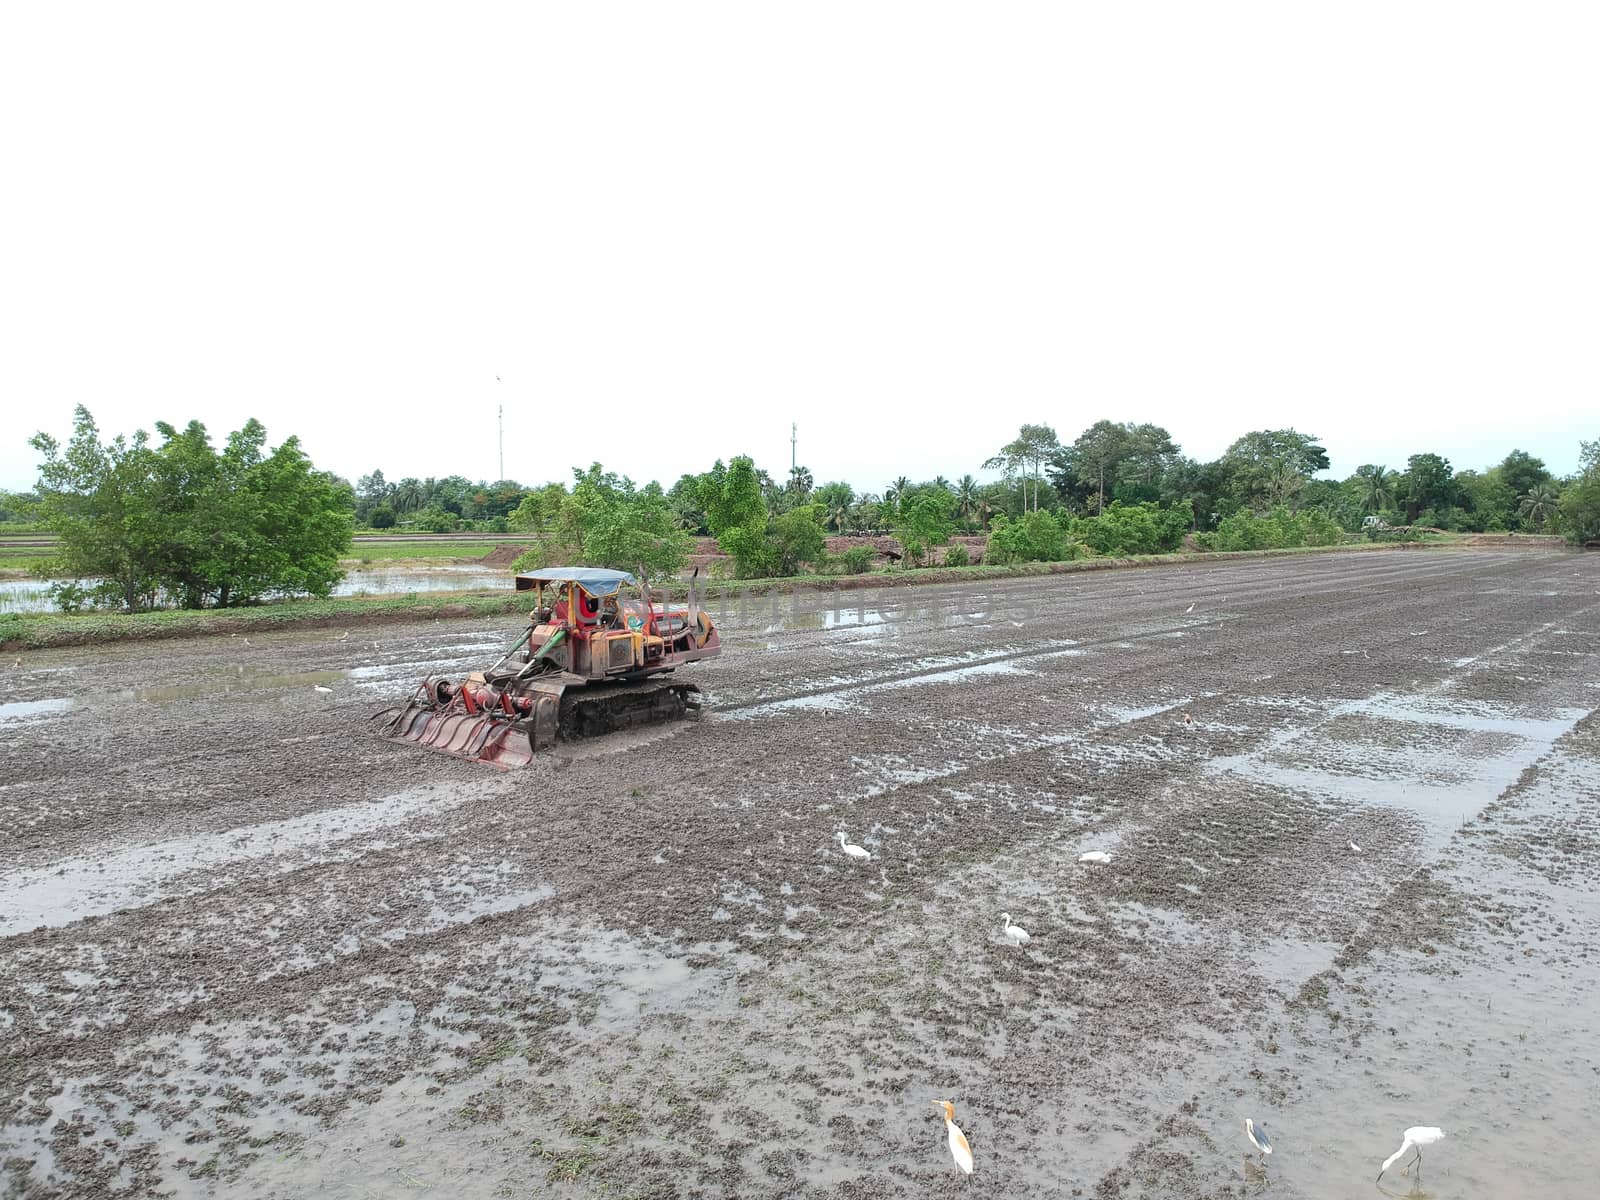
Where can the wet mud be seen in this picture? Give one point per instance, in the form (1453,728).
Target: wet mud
(1351,806)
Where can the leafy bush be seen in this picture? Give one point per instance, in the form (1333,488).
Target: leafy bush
(957,556)
(1322,530)
(797,537)
(857,560)
(1578,511)
(381,517)
(1133,529)
(754,556)
(1034,537)
(1278,530)
(1402,534)
(434,519)
(71,596)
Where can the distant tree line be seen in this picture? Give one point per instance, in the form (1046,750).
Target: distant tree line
(181,522)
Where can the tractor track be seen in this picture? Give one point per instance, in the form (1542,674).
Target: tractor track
(304,959)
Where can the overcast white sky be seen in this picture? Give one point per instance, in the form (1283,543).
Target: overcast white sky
(673,229)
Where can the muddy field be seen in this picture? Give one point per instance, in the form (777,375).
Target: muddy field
(248,949)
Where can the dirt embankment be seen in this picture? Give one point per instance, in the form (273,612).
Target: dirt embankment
(503,555)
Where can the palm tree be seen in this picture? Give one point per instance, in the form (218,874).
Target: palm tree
(1538,504)
(966,498)
(864,513)
(1377,487)
(895,492)
(407,495)
(800,481)
(939,481)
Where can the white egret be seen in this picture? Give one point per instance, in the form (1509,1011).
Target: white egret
(1258,1138)
(1414,1138)
(1189,610)
(1016,933)
(1354,848)
(1095,856)
(320,688)
(959,1149)
(853,850)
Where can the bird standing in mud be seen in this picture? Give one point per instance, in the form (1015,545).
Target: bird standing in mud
(1354,848)
(1188,721)
(1258,1138)
(853,850)
(1099,857)
(1015,933)
(959,1149)
(1414,1138)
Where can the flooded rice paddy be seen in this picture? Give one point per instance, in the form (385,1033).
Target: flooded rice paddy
(248,948)
(33,595)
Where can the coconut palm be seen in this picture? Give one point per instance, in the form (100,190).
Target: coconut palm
(408,495)
(1538,504)
(1377,487)
(966,498)
(895,492)
(800,481)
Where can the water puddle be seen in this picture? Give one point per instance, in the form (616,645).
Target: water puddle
(76,888)
(19,711)
(1442,758)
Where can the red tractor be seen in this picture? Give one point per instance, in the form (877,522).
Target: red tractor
(588,664)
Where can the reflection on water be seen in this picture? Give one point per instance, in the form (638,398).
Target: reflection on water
(33,595)
(24,710)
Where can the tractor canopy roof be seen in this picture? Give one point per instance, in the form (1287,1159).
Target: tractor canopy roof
(597,581)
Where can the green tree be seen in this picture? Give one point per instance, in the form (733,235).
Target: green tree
(1151,453)
(1538,505)
(796,537)
(1097,456)
(1270,466)
(1025,457)
(834,499)
(968,496)
(1376,486)
(925,522)
(1429,484)
(731,497)
(1522,472)
(407,496)
(894,495)
(605,521)
(371,491)
(1034,537)
(1133,529)
(801,483)
(736,514)
(538,509)
(18,507)
(183,524)
(1578,512)
(1491,503)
